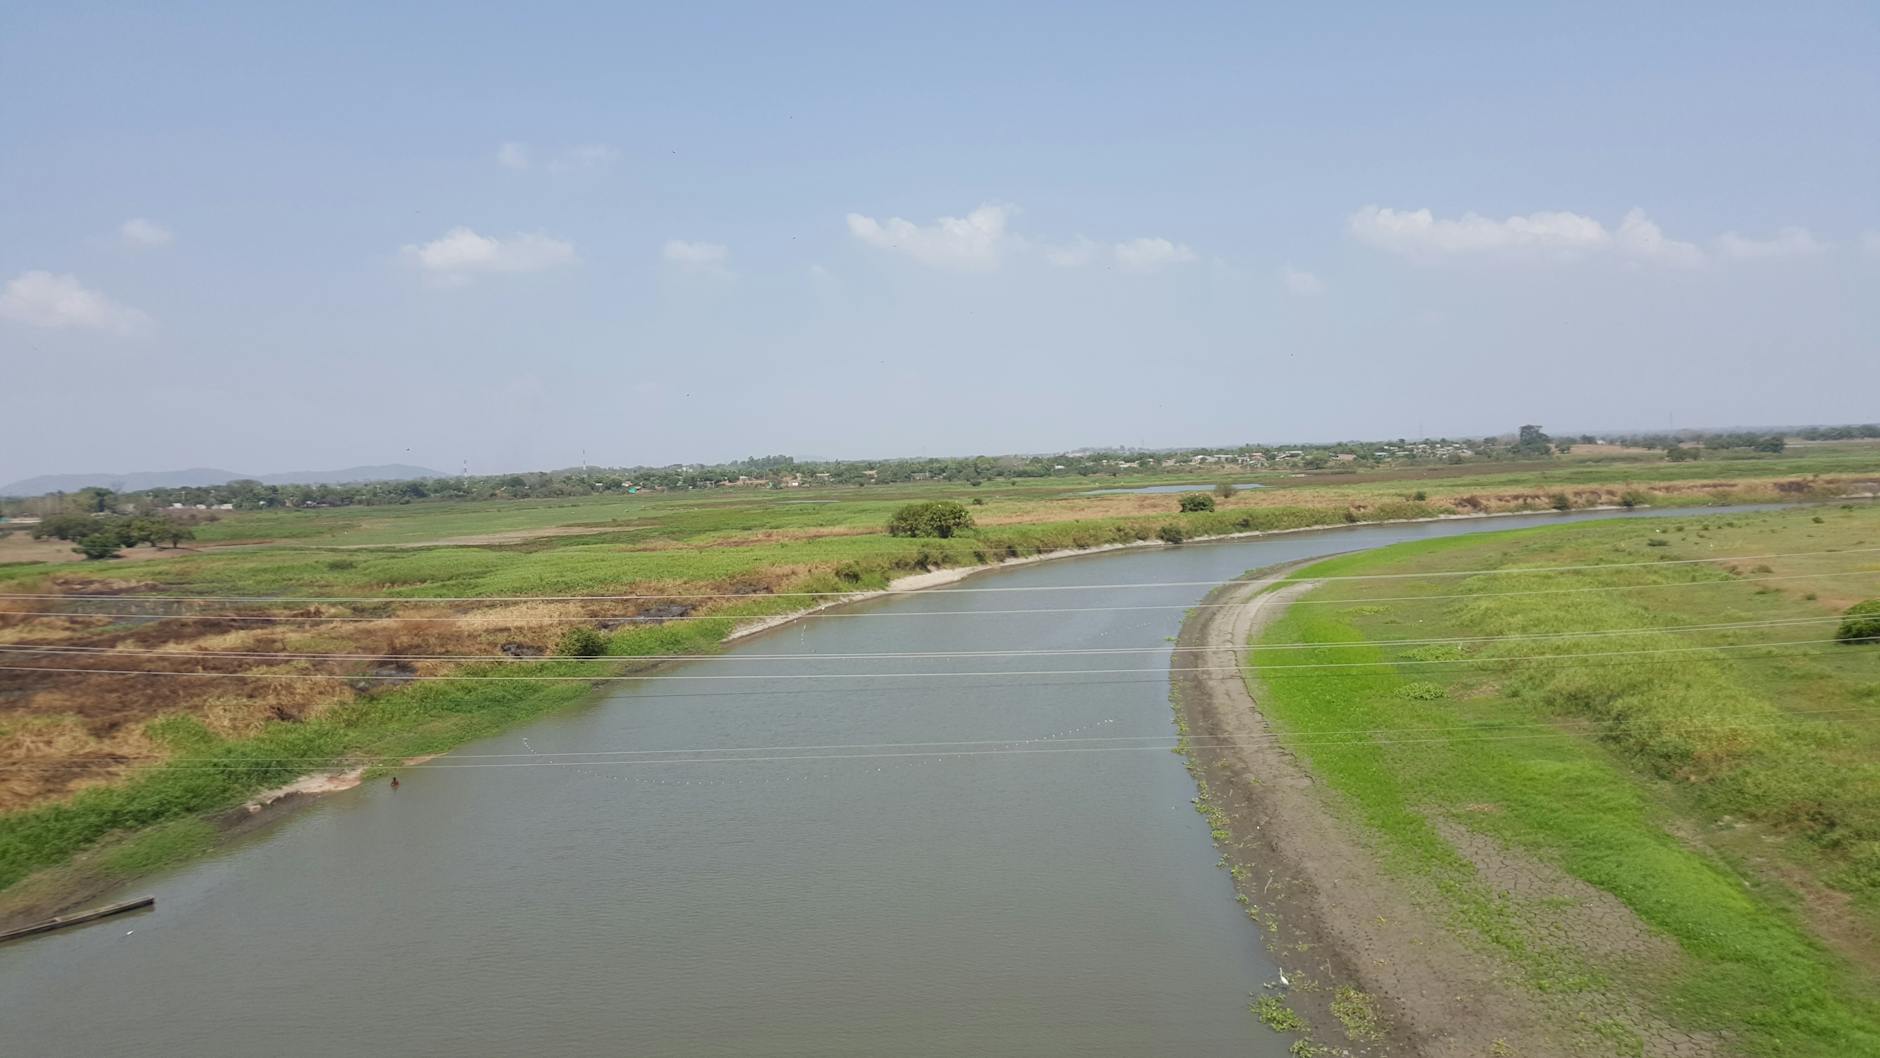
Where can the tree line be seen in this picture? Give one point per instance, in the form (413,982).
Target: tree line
(103,535)
(1528,443)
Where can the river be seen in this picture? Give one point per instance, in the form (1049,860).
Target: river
(998,895)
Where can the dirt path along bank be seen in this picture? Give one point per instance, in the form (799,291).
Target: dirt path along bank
(1337,924)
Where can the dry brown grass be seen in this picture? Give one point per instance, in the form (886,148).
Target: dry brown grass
(63,753)
(70,730)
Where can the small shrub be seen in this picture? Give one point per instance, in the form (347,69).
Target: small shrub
(1860,623)
(1419,495)
(1632,498)
(1193,502)
(1357,1013)
(979,501)
(1561,502)
(1657,541)
(1225,490)
(1421,691)
(1171,534)
(941,518)
(582,642)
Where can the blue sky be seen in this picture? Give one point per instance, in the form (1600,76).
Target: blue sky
(270,238)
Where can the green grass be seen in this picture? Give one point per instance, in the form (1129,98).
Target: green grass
(1357,1012)
(1276,1015)
(579,565)
(1598,767)
(161,846)
(689,513)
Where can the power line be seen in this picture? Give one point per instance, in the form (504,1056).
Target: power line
(406,678)
(1797,717)
(1279,673)
(866,596)
(1288,742)
(348,599)
(158,652)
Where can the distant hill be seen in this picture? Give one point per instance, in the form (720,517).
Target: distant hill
(160,479)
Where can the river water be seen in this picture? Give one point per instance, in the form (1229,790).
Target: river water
(997,895)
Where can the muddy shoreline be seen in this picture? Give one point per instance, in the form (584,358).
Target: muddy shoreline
(1330,914)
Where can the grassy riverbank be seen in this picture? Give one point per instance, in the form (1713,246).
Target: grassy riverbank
(101,754)
(1658,839)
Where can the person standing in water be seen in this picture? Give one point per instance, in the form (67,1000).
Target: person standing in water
(394,782)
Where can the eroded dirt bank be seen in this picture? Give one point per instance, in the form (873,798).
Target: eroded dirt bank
(1332,918)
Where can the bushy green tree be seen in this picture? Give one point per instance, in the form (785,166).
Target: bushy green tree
(1860,623)
(1196,501)
(1533,442)
(99,545)
(69,526)
(941,518)
(1171,534)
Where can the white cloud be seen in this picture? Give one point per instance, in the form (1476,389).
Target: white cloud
(1789,242)
(42,299)
(1419,233)
(460,253)
(697,256)
(1640,238)
(982,240)
(1136,255)
(1147,255)
(975,241)
(513,156)
(140,233)
(1300,283)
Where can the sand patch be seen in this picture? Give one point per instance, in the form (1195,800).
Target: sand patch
(318,783)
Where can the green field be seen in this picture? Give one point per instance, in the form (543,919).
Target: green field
(1729,798)
(611,542)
